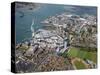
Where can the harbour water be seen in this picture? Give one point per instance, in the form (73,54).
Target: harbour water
(23,24)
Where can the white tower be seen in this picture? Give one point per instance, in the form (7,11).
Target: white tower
(65,43)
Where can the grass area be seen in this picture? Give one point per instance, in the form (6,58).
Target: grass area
(76,52)
(79,65)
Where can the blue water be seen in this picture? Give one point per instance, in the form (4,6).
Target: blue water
(23,24)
